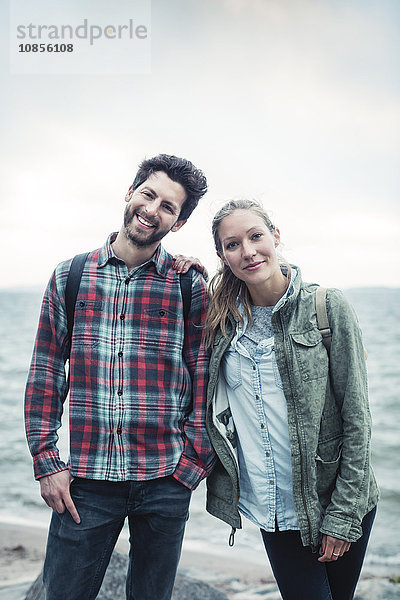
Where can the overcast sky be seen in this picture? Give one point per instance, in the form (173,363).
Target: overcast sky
(293,102)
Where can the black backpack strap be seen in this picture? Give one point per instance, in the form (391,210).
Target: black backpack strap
(185,280)
(186,290)
(322,317)
(71,292)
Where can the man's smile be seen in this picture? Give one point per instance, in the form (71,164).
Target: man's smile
(144,222)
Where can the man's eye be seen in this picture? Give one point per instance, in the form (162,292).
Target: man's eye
(168,208)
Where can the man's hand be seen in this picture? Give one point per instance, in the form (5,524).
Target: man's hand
(332,548)
(55,492)
(183,263)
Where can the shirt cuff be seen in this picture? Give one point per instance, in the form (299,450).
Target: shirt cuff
(189,473)
(48,463)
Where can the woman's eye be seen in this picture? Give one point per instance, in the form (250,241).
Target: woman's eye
(230,245)
(256,236)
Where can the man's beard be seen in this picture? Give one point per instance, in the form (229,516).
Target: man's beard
(137,239)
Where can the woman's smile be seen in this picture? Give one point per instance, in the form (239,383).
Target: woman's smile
(254,265)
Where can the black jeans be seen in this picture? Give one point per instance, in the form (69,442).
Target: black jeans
(300,576)
(78,555)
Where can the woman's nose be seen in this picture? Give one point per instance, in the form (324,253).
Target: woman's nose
(248,250)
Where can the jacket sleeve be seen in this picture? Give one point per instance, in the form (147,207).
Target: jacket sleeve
(47,387)
(198,457)
(348,379)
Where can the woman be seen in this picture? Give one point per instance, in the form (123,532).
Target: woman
(290,424)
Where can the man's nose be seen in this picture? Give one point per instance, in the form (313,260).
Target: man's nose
(152,207)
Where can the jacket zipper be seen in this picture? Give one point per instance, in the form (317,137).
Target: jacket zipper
(231,540)
(313,548)
(227,446)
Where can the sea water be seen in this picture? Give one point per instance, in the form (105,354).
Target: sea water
(378,310)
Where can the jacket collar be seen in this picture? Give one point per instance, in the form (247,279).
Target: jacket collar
(292,292)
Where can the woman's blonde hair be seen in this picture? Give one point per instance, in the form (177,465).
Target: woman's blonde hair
(225,288)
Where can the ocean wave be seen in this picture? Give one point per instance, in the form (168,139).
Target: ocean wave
(383,560)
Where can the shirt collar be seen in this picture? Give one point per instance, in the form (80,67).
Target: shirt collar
(106,253)
(159,258)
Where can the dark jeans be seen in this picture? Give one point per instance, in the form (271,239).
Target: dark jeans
(300,576)
(77,556)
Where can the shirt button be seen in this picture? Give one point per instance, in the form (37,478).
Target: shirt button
(122,317)
(120,353)
(161,313)
(81,303)
(267,454)
(119,431)
(254,368)
(257,397)
(119,392)
(262,425)
(271,481)
(127,280)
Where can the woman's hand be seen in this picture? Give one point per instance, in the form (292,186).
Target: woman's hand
(183,263)
(332,548)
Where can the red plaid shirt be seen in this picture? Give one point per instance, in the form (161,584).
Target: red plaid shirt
(138,377)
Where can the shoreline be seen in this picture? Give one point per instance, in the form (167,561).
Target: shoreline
(23,545)
(24,542)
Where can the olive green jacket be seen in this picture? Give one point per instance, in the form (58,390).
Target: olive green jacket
(328,415)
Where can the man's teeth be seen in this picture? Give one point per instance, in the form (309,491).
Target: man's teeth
(144,222)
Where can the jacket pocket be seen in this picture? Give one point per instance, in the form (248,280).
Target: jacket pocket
(327,464)
(311,354)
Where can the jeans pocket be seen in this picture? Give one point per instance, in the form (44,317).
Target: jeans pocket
(171,506)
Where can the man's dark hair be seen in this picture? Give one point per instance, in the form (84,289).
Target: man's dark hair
(180,170)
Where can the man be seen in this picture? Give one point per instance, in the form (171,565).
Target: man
(137,383)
